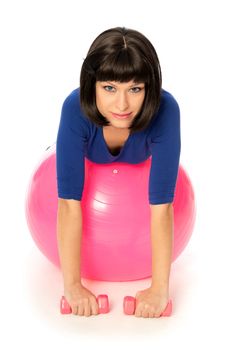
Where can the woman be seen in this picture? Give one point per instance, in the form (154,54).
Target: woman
(119,113)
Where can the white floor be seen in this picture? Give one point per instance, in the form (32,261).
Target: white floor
(199,288)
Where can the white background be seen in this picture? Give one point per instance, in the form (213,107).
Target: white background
(43,44)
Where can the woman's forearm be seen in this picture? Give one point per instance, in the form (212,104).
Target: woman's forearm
(69,235)
(162,243)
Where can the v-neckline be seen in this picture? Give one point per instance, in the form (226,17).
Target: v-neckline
(106,145)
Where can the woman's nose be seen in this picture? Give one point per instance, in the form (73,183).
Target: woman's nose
(122,102)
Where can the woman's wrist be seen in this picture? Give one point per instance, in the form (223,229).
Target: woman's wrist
(159,288)
(70,285)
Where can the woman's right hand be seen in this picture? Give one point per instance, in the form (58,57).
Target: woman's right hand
(81,300)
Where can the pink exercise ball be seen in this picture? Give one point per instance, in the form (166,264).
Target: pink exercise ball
(116,243)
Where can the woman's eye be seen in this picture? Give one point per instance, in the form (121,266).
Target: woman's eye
(139,89)
(107,86)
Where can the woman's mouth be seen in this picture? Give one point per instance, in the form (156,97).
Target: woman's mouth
(121,116)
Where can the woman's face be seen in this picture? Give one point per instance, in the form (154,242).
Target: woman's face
(119,98)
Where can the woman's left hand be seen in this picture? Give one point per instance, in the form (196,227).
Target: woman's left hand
(150,303)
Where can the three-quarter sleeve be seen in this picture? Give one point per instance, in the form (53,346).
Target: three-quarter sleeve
(165,149)
(70,149)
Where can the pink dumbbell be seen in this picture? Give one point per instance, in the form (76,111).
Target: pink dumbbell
(102,300)
(129,304)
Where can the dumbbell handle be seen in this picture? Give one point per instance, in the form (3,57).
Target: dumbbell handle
(129,305)
(102,300)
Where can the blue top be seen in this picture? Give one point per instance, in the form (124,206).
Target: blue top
(78,137)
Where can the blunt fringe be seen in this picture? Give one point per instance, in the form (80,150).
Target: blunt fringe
(121,54)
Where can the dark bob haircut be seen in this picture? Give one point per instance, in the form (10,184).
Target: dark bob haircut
(121,54)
